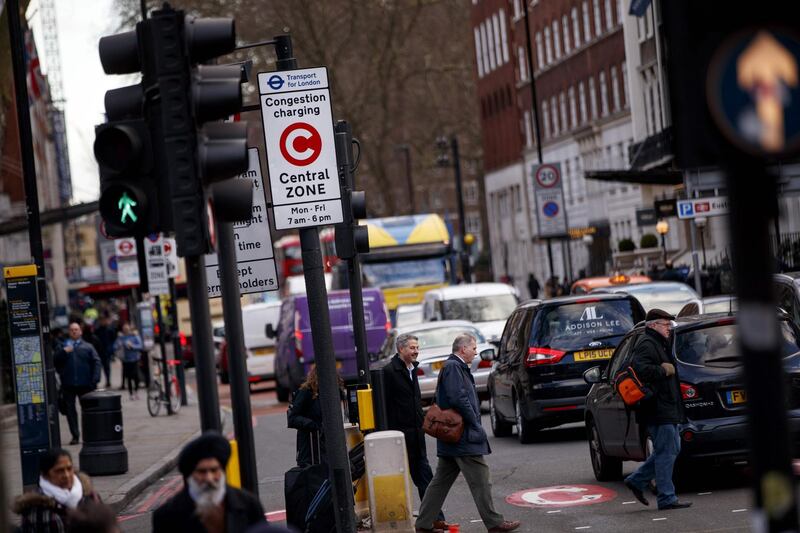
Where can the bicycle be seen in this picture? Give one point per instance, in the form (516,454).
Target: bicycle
(156,395)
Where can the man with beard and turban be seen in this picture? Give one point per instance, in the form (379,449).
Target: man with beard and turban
(207,504)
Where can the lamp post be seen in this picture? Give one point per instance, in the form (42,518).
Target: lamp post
(662,227)
(701,223)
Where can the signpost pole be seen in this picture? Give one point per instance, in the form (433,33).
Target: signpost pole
(164,362)
(176,340)
(329,393)
(465,267)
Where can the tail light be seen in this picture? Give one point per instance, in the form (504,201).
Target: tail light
(688,392)
(156,330)
(388,326)
(543,356)
(688,436)
(485,364)
(182,338)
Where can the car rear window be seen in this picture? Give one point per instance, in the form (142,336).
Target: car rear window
(434,338)
(717,345)
(573,326)
(480,308)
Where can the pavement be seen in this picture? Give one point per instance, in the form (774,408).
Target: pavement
(153,445)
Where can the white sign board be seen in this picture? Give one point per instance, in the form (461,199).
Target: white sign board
(108,259)
(549,194)
(127,264)
(254,255)
(301,154)
(703,207)
(171,255)
(157,270)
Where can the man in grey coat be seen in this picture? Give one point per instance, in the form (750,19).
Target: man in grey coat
(456,390)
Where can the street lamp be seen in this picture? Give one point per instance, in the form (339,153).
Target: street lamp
(701,223)
(443,160)
(662,227)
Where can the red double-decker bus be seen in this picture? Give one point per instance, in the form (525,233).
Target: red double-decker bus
(290,258)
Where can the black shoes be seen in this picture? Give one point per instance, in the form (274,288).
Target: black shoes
(638,494)
(677,504)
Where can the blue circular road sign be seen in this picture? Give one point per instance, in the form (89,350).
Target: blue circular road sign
(550,209)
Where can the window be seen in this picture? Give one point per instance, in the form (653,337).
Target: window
(603,94)
(615,89)
(548,47)
(582,101)
(609,16)
(598,26)
(562,106)
(478,55)
(539,51)
(491,42)
(503,35)
(528,130)
(487,63)
(556,40)
(573,108)
(565,24)
(523,64)
(473,224)
(587,29)
(517,199)
(592,98)
(498,47)
(625,83)
(517,10)
(554,110)
(576,27)
(545,120)
(656,109)
(471,192)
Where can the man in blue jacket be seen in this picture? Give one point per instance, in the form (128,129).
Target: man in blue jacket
(456,390)
(78,367)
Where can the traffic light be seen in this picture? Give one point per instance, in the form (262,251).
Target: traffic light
(351,237)
(123,149)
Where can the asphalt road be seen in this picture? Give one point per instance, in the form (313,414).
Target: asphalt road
(559,459)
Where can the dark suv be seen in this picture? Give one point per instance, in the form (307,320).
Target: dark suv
(537,379)
(709,366)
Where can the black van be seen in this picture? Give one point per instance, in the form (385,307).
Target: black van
(537,379)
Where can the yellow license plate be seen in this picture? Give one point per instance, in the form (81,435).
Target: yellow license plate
(263,351)
(737,396)
(593,355)
(437,365)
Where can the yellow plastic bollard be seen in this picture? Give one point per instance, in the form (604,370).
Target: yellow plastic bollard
(366,414)
(389,482)
(232,475)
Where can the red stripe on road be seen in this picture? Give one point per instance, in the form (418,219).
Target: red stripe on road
(169,489)
(124,517)
(276,516)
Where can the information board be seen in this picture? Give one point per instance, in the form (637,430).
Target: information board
(548,190)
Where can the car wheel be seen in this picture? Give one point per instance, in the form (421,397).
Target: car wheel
(224,377)
(526,432)
(281,392)
(605,468)
(500,428)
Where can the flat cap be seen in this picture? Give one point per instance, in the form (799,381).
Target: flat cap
(658,314)
(209,445)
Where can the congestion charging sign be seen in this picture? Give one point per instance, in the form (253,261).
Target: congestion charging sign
(301,155)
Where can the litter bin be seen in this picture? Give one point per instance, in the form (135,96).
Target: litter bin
(103,452)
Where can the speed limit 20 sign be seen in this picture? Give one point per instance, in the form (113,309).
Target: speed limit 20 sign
(301,154)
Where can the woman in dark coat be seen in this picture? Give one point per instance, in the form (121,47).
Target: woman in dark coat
(305,415)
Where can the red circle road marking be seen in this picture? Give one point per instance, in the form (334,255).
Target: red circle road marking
(298,140)
(561,496)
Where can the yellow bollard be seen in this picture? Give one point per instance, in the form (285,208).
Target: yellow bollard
(366,414)
(389,482)
(232,474)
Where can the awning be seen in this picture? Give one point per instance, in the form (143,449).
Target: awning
(643,177)
(108,289)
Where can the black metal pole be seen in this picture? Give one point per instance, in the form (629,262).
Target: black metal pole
(164,360)
(175,335)
(534,100)
(753,202)
(32,204)
(237,369)
(703,246)
(330,398)
(465,269)
(412,202)
(550,258)
(344,154)
(202,343)
(664,247)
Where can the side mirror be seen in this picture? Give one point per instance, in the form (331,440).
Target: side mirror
(270,331)
(592,375)
(488,354)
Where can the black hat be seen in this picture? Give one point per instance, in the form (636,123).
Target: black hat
(658,314)
(209,445)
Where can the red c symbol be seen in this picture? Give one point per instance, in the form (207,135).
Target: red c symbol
(301,144)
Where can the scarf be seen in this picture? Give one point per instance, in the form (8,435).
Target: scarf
(69,498)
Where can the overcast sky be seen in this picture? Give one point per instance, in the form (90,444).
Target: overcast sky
(81,23)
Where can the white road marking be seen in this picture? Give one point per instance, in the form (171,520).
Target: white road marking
(657,519)
(703,493)
(738,510)
(583,527)
(628,503)
(551,512)
(475,521)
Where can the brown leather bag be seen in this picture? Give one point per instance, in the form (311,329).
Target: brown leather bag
(443,424)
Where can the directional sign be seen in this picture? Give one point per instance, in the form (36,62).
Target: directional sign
(254,255)
(549,195)
(171,255)
(301,155)
(561,496)
(702,207)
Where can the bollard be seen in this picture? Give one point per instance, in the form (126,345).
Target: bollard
(103,452)
(389,481)
(378,400)
(233,476)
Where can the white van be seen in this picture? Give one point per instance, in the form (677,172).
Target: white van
(487,305)
(261,349)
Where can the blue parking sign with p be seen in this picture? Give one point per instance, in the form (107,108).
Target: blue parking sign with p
(686,209)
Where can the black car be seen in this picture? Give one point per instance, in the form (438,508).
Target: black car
(787,287)
(709,366)
(537,378)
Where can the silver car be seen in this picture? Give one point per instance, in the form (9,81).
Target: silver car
(435,346)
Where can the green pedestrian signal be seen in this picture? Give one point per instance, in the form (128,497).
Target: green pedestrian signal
(126,205)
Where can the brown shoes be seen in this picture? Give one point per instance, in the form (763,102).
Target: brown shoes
(505,526)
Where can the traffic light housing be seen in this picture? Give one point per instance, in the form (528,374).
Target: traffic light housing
(351,238)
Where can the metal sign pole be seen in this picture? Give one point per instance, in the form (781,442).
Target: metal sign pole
(164,362)
(176,340)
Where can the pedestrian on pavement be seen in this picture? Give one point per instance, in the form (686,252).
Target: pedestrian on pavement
(207,504)
(129,344)
(305,415)
(107,335)
(78,366)
(404,412)
(88,335)
(456,390)
(46,508)
(533,286)
(661,414)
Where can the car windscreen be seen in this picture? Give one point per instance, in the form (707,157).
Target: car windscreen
(717,344)
(405,273)
(439,337)
(479,308)
(720,306)
(669,297)
(573,326)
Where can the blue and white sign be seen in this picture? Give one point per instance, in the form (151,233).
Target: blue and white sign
(549,194)
(702,207)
